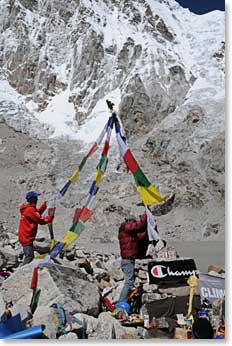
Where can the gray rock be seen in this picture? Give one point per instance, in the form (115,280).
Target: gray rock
(117,275)
(150,287)
(13,238)
(150,297)
(114,296)
(142,274)
(8,257)
(80,254)
(113,264)
(105,327)
(20,308)
(58,285)
(176,291)
(43,315)
(68,336)
(90,322)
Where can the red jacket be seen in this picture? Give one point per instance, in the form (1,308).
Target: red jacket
(130,232)
(29,221)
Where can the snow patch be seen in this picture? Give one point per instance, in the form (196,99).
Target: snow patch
(7,93)
(60,114)
(96,121)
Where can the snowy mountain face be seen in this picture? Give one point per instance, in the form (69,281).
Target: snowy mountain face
(160,64)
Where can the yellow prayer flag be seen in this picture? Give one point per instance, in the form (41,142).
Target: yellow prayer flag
(52,243)
(75,176)
(41,256)
(68,239)
(150,195)
(98,177)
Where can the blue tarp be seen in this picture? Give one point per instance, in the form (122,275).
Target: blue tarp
(13,325)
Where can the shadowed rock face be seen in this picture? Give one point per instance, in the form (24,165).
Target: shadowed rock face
(171,81)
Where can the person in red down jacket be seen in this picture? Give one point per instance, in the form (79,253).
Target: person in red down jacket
(129,235)
(31,217)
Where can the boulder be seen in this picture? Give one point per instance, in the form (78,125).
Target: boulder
(8,257)
(21,309)
(90,322)
(113,264)
(80,253)
(114,296)
(43,315)
(112,328)
(68,336)
(13,238)
(150,287)
(84,263)
(105,329)
(142,274)
(58,284)
(176,291)
(117,275)
(150,297)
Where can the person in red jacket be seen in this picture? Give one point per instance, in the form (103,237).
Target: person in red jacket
(31,217)
(129,235)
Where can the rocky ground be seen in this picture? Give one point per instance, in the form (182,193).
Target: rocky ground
(79,281)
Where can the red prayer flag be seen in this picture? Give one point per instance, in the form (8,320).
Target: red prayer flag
(130,161)
(34,278)
(76,215)
(82,214)
(85,214)
(92,150)
(106,148)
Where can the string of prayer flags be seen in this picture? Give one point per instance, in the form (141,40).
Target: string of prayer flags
(147,191)
(82,215)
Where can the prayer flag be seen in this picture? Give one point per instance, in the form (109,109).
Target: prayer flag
(65,188)
(92,149)
(75,176)
(34,279)
(140,178)
(122,145)
(103,164)
(151,225)
(150,195)
(98,177)
(77,227)
(85,214)
(130,161)
(68,239)
(56,250)
(106,148)
(83,163)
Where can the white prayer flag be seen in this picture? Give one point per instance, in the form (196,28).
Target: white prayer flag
(151,224)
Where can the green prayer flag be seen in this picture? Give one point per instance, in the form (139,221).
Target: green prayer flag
(77,227)
(140,178)
(103,164)
(35,299)
(82,163)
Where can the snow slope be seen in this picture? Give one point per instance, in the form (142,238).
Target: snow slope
(196,39)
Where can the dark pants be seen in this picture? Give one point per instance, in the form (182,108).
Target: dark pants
(28,254)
